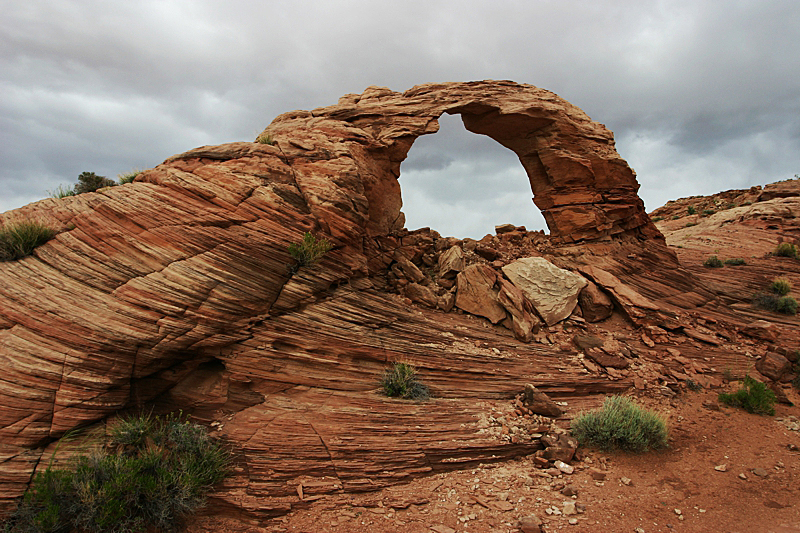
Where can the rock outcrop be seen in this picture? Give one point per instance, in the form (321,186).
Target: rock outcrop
(178,291)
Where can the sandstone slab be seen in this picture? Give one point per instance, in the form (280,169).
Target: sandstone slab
(553,291)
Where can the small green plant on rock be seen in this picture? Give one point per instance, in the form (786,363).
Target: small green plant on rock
(62,191)
(19,239)
(127,177)
(713,262)
(780,286)
(658,219)
(265,138)
(309,250)
(621,424)
(753,397)
(735,261)
(691,210)
(401,381)
(786,249)
(708,212)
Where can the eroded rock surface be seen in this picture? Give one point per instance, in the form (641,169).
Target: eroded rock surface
(178,291)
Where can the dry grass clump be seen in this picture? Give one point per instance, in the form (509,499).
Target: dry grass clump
(621,424)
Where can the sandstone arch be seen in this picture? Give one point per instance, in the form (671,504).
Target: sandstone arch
(146,282)
(584,189)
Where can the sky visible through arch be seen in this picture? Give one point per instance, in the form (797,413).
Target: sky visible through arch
(702,95)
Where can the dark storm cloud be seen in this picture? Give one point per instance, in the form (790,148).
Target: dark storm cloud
(702,95)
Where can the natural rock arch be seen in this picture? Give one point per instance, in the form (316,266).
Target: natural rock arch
(147,281)
(583,188)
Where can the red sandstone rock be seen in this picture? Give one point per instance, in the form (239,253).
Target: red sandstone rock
(178,291)
(595,305)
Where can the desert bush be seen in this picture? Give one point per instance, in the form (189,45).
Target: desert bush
(691,210)
(90,182)
(786,249)
(621,424)
(713,262)
(19,239)
(735,261)
(127,177)
(708,212)
(155,473)
(753,397)
(658,219)
(675,217)
(309,250)
(265,138)
(401,381)
(62,191)
(773,302)
(780,286)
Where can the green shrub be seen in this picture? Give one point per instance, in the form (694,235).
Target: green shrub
(753,397)
(155,473)
(691,210)
(690,224)
(713,262)
(708,212)
(786,249)
(730,205)
(127,177)
(786,305)
(773,302)
(62,191)
(309,250)
(401,381)
(90,182)
(621,424)
(781,286)
(735,261)
(265,138)
(19,239)
(658,219)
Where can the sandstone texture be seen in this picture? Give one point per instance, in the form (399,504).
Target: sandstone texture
(178,291)
(552,290)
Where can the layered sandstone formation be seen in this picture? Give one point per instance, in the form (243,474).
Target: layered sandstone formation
(178,291)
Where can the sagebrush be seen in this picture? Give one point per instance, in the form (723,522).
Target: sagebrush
(401,381)
(310,250)
(713,262)
(781,286)
(621,424)
(753,397)
(153,473)
(19,239)
(786,249)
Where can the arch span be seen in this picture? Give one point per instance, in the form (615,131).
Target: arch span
(583,188)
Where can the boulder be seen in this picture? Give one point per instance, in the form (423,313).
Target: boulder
(539,402)
(421,294)
(524,323)
(475,293)
(451,262)
(594,303)
(761,329)
(773,366)
(553,291)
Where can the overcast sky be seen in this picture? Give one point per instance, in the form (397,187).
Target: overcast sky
(702,95)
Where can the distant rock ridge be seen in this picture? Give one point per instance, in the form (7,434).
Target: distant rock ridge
(178,291)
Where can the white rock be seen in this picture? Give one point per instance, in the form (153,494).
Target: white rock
(721,468)
(564,467)
(569,508)
(553,291)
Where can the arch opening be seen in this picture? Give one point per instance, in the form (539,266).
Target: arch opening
(462,184)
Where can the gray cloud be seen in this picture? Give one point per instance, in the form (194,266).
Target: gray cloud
(702,95)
